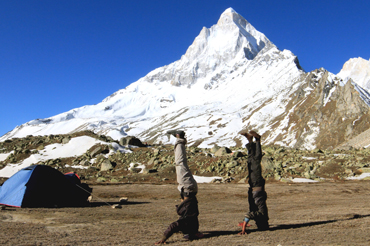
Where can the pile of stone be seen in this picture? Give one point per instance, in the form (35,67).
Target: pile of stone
(155,163)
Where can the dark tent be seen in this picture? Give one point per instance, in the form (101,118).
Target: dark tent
(43,186)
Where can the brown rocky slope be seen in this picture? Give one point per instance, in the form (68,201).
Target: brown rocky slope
(230,164)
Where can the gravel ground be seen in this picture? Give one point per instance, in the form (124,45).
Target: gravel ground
(327,213)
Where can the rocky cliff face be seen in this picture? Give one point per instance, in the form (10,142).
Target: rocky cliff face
(325,112)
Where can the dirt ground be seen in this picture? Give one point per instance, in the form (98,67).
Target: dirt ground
(328,213)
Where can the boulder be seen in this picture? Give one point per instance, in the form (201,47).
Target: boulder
(152,161)
(40,147)
(267,163)
(66,140)
(101,179)
(116,206)
(123,200)
(207,154)
(223,151)
(135,169)
(214,149)
(216,180)
(98,150)
(237,154)
(106,165)
(156,152)
(232,164)
(84,163)
(317,151)
(131,140)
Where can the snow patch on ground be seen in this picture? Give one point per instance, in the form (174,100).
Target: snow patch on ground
(4,156)
(303,180)
(78,167)
(362,176)
(201,179)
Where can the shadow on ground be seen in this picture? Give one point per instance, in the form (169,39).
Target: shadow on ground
(100,204)
(209,234)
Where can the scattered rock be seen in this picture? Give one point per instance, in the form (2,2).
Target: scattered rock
(106,165)
(278,163)
(267,163)
(214,149)
(237,154)
(130,140)
(123,200)
(232,164)
(101,179)
(116,206)
(40,147)
(223,151)
(216,180)
(66,140)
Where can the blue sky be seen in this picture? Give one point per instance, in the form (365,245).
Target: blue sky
(62,54)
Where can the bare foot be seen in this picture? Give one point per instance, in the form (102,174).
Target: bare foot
(247,135)
(255,134)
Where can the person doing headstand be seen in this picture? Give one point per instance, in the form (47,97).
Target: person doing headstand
(188,210)
(257,195)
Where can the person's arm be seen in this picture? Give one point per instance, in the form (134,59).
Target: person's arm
(244,224)
(243,228)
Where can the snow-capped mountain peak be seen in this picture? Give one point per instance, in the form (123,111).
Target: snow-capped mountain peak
(230,78)
(358,69)
(230,36)
(230,41)
(230,19)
